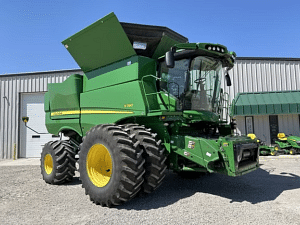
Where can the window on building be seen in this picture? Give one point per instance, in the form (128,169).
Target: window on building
(273,121)
(249,124)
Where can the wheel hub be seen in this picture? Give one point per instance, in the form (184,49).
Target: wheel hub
(99,165)
(48,163)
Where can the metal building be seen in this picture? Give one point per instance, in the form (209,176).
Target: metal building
(268,92)
(23,95)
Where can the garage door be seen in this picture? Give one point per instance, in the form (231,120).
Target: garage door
(31,143)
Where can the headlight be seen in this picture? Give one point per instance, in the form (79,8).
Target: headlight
(215,48)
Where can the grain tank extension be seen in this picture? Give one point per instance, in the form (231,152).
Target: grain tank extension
(148,100)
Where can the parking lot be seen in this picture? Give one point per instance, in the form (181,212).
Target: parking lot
(270,195)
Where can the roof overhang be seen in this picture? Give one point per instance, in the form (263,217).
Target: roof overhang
(266,103)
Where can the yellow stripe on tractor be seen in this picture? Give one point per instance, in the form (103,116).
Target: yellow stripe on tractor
(62,113)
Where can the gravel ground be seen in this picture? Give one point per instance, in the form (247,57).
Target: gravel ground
(270,195)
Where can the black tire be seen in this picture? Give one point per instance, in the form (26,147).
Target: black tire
(274,153)
(58,162)
(153,154)
(278,150)
(277,147)
(292,151)
(124,179)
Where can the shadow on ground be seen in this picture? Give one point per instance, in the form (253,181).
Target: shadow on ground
(75,181)
(255,187)
(258,186)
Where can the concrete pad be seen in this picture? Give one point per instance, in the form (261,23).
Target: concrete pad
(36,161)
(20,162)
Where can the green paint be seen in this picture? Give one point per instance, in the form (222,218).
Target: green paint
(266,103)
(196,116)
(102,43)
(121,85)
(291,143)
(165,44)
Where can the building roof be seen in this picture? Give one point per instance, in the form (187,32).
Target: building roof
(265,103)
(269,58)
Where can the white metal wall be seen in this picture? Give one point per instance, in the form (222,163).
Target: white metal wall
(287,123)
(263,74)
(10,88)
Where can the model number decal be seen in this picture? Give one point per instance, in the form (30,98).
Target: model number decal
(128,105)
(191,145)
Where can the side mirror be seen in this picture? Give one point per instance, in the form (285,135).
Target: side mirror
(228,80)
(169,59)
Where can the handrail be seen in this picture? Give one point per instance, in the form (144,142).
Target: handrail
(154,93)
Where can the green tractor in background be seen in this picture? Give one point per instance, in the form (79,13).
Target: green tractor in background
(148,101)
(287,144)
(263,148)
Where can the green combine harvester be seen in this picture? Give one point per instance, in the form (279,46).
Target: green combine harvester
(148,100)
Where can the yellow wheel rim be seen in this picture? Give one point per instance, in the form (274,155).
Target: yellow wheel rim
(291,152)
(272,153)
(276,148)
(99,165)
(48,163)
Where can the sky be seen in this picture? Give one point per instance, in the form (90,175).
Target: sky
(31,31)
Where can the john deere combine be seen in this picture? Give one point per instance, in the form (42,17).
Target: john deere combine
(148,100)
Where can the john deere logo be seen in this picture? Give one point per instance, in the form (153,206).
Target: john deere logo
(225,144)
(191,145)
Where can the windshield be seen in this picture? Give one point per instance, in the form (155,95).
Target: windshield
(195,83)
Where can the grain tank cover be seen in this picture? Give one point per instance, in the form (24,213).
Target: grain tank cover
(107,41)
(156,39)
(99,44)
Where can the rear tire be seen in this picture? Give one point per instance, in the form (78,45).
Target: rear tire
(274,153)
(111,167)
(153,154)
(58,162)
(292,151)
(277,149)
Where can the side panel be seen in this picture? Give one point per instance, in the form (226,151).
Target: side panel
(55,126)
(110,104)
(196,149)
(117,73)
(62,105)
(65,97)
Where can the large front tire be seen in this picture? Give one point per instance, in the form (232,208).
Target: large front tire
(58,162)
(111,167)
